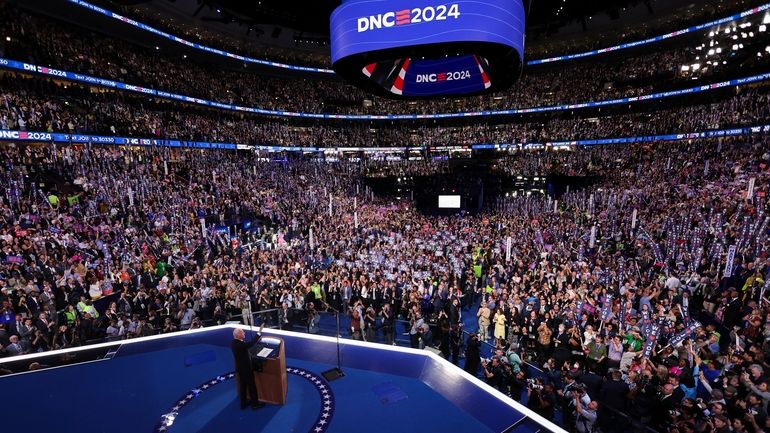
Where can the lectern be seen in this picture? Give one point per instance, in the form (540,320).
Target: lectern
(272,381)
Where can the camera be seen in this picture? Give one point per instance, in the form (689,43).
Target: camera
(533,385)
(576,387)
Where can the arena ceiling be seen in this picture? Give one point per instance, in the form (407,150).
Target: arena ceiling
(313,16)
(303,25)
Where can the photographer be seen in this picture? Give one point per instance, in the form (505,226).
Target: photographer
(494,373)
(567,397)
(585,414)
(514,359)
(541,398)
(518,384)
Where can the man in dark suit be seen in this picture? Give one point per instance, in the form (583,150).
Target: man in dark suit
(16,326)
(664,406)
(732,314)
(593,383)
(44,324)
(244,367)
(615,391)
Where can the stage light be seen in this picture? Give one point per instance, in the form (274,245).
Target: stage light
(763,28)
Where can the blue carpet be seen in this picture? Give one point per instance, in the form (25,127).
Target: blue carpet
(328,326)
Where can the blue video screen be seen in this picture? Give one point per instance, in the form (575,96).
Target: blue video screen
(451,76)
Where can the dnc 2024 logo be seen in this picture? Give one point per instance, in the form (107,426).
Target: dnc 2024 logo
(443,76)
(408,16)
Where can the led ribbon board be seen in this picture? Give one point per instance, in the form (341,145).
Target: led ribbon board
(428,48)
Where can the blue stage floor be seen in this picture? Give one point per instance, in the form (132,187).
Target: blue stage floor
(186,378)
(405,404)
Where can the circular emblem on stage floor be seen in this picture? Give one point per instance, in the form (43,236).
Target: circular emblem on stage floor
(320,425)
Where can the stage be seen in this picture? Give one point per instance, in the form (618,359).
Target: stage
(184,383)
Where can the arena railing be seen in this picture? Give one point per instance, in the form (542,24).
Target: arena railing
(108,83)
(34,136)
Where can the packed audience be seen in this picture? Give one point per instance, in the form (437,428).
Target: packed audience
(39,104)
(690,15)
(43,41)
(637,300)
(575,302)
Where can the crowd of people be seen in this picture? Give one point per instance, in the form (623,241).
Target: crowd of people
(40,104)
(572,42)
(43,41)
(591,275)
(636,299)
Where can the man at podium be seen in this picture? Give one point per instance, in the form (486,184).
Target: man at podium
(243,367)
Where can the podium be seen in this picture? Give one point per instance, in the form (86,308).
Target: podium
(272,381)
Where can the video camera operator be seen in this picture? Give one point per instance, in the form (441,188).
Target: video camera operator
(567,397)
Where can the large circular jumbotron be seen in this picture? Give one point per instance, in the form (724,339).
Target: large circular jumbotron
(428,48)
